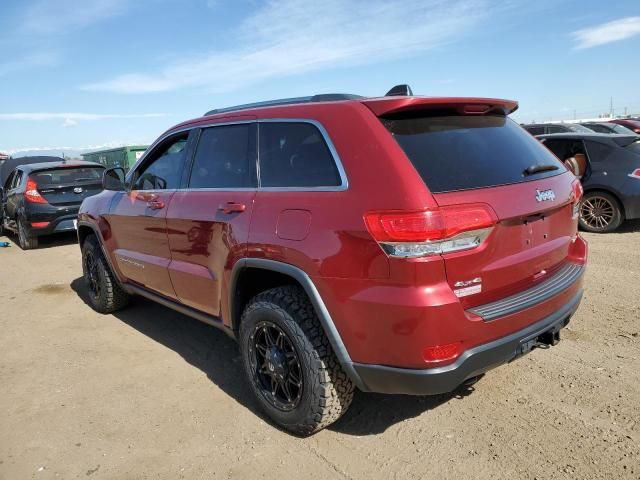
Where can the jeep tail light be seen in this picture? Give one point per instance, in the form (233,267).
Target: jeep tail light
(635,173)
(31,193)
(441,353)
(431,232)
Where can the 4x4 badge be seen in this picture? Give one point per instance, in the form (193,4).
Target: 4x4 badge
(544,195)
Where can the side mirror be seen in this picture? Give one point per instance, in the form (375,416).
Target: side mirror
(113,179)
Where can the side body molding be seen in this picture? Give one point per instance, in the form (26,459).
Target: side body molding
(305,281)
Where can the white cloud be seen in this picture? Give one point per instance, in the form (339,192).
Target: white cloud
(59,16)
(69,122)
(72,118)
(288,37)
(614,31)
(40,59)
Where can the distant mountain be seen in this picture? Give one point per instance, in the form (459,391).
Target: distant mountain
(68,152)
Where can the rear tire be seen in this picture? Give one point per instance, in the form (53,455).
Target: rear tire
(105,294)
(311,389)
(600,212)
(25,241)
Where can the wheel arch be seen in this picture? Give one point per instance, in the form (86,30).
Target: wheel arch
(86,229)
(277,274)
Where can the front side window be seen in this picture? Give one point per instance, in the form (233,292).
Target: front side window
(9,183)
(163,171)
(294,154)
(225,158)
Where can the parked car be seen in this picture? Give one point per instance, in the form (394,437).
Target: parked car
(608,166)
(43,198)
(7,167)
(631,123)
(607,127)
(400,244)
(547,128)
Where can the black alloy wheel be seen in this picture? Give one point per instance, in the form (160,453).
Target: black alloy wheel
(276,366)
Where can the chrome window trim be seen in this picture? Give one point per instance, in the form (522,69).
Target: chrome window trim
(344,182)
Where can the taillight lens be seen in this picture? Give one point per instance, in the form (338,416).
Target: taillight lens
(31,193)
(576,195)
(431,232)
(635,173)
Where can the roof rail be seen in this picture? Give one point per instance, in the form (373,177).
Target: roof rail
(324,97)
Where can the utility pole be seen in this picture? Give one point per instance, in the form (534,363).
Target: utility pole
(610,107)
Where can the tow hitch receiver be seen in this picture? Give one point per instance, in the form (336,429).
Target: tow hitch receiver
(546,339)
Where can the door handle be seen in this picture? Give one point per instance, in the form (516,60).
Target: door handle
(232,207)
(155,204)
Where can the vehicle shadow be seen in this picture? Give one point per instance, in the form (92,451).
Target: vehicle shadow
(217,355)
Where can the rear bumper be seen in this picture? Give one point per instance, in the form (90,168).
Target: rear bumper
(473,362)
(60,219)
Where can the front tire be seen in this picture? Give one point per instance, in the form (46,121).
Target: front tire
(289,362)
(105,294)
(600,212)
(25,241)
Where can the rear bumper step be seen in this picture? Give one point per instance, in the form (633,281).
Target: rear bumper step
(561,280)
(472,363)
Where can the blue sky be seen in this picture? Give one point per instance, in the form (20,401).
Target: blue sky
(88,73)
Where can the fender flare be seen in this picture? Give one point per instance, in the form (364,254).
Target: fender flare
(98,234)
(328,326)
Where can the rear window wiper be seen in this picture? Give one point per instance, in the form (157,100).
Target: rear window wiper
(533,169)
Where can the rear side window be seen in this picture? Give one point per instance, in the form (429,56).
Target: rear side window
(535,130)
(464,152)
(295,155)
(598,152)
(66,175)
(225,158)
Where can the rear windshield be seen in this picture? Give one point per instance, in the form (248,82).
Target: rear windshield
(465,152)
(68,175)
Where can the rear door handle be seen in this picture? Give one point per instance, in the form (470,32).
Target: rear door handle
(155,204)
(232,207)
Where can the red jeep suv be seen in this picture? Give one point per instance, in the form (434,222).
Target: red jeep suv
(400,244)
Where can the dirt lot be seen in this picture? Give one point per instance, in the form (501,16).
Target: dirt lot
(148,393)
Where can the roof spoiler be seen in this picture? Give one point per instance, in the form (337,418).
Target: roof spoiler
(465,106)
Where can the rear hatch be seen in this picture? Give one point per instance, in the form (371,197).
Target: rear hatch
(467,156)
(68,186)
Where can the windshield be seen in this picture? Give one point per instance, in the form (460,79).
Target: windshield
(68,175)
(464,152)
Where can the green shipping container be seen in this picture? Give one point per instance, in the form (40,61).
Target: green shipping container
(123,157)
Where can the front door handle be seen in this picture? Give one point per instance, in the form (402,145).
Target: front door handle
(232,207)
(155,204)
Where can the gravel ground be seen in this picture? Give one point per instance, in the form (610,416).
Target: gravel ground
(149,393)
